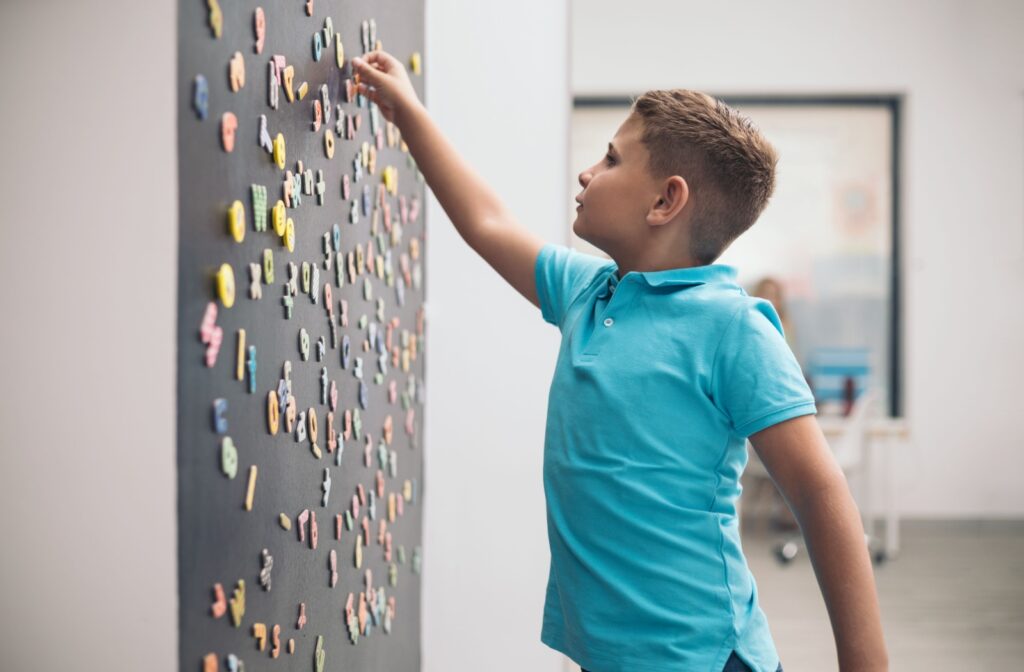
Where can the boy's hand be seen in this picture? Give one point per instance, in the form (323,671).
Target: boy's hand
(383,80)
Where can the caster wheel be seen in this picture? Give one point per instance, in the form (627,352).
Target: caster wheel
(785,552)
(880,557)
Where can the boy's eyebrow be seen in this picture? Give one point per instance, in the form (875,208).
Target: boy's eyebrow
(611,148)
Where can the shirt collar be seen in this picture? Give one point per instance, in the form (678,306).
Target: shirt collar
(684,277)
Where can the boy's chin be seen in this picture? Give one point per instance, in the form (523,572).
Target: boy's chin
(577,228)
(582,234)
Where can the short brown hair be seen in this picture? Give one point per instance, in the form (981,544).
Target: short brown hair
(727,163)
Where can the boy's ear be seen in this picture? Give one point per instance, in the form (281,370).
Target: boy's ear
(675,193)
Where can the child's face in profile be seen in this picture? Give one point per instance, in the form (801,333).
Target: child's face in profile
(617,192)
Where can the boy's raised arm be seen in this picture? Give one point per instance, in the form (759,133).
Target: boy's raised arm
(474,208)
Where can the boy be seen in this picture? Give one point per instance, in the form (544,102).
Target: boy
(647,573)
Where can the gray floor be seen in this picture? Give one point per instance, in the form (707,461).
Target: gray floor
(952,600)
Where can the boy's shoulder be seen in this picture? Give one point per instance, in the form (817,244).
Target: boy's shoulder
(711,322)
(722,306)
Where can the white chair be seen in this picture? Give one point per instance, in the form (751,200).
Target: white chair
(848,449)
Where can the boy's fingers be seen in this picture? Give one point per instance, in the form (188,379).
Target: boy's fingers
(377,55)
(372,94)
(374,59)
(384,59)
(368,72)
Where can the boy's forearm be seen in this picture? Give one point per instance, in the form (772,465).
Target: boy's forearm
(834,534)
(467,200)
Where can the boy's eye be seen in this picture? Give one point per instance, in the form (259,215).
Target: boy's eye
(608,159)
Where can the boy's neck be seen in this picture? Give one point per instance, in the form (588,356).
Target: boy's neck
(652,263)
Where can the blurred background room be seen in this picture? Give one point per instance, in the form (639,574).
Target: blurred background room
(893,249)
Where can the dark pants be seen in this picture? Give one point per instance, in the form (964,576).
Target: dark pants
(734,664)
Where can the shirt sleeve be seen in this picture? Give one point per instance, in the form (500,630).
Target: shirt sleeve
(562,274)
(756,380)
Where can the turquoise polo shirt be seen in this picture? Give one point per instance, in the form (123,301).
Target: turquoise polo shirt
(660,378)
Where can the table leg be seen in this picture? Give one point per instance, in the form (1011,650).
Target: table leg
(892,519)
(867,486)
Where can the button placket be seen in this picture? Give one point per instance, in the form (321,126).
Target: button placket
(621,295)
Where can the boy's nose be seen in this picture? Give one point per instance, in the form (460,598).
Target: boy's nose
(584,178)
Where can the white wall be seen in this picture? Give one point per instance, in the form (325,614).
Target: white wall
(88,266)
(497,83)
(960,67)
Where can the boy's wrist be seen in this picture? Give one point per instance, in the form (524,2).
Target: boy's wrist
(406,112)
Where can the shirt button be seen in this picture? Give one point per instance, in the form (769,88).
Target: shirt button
(608,322)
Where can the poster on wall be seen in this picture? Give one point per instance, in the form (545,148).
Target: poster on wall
(301,341)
